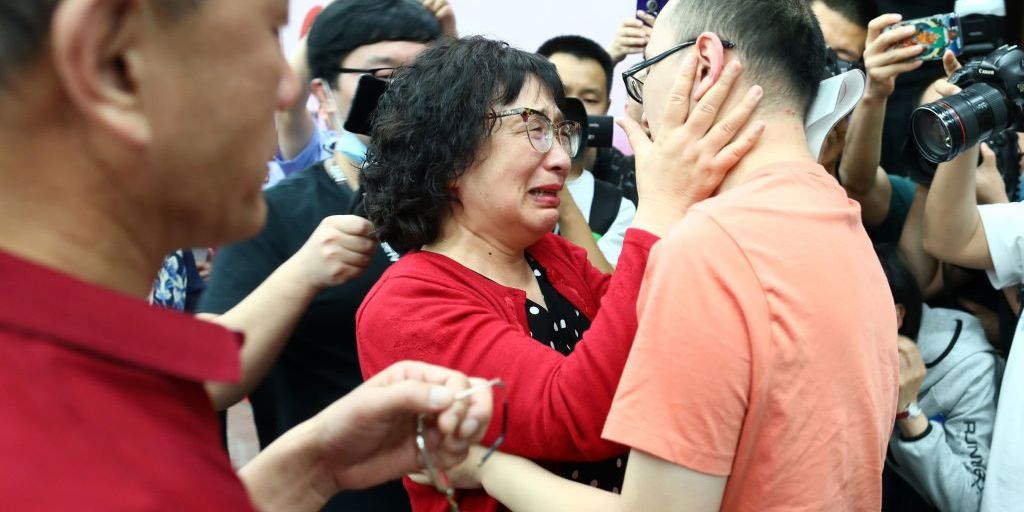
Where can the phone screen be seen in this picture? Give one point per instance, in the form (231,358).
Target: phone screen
(364,104)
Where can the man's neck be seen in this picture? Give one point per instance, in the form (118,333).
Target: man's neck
(783,140)
(49,219)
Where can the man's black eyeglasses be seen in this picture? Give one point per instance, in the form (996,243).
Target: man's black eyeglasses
(635,86)
(382,73)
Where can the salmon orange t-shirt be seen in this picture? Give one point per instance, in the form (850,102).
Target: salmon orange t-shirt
(766,348)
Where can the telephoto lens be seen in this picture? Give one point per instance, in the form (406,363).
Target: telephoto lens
(947,127)
(991,101)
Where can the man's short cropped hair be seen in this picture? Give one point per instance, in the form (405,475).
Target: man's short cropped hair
(346,25)
(859,12)
(25,25)
(779,42)
(581,48)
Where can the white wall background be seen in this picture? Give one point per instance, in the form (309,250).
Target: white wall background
(524,24)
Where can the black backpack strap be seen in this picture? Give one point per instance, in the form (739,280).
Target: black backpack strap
(605,207)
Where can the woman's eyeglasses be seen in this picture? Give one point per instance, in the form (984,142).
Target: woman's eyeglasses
(543,133)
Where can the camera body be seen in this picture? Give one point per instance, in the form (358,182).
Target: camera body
(991,100)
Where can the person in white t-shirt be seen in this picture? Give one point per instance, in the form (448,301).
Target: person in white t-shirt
(597,202)
(989,237)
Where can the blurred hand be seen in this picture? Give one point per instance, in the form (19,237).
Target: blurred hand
(693,151)
(339,249)
(632,37)
(206,267)
(444,14)
(912,372)
(368,436)
(882,61)
(990,184)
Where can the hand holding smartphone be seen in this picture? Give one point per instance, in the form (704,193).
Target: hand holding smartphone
(936,33)
(652,7)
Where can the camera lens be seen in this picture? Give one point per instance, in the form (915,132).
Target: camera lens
(934,126)
(945,128)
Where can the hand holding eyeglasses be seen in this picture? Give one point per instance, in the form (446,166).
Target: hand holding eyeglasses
(370,436)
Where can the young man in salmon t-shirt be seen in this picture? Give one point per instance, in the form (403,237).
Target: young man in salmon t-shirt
(764,374)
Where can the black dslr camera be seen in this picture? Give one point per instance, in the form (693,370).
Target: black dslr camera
(992,100)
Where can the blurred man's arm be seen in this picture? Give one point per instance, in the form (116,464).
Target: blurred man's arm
(340,249)
(368,437)
(295,125)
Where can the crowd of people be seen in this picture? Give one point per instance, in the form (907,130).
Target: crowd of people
(471,308)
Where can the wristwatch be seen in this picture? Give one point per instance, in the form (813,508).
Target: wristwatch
(912,411)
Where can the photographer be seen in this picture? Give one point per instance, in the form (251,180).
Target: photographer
(885,200)
(989,237)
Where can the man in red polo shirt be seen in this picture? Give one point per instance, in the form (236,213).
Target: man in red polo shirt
(129,128)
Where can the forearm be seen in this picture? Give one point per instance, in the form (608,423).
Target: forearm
(924,266)
(267,317)
(948,480)
(574,228)
(289,474)
(951,218)
(295,125)
(523,486)
(863,150)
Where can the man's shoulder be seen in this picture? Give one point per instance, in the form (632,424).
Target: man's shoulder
(305,198)
(300,184)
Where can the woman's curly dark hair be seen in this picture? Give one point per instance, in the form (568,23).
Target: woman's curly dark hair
(429,128)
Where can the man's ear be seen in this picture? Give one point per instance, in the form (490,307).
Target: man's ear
(96,49)
(711,62)
(900,313)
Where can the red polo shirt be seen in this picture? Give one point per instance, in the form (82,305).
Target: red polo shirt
(103,405)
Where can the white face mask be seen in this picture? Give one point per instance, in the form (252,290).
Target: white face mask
(837,97)
(332,107)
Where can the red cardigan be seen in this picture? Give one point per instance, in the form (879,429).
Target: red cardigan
(427,307)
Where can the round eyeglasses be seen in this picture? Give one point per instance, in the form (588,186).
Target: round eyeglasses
(543,133)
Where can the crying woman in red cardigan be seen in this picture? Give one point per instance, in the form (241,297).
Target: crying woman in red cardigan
(465,178)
